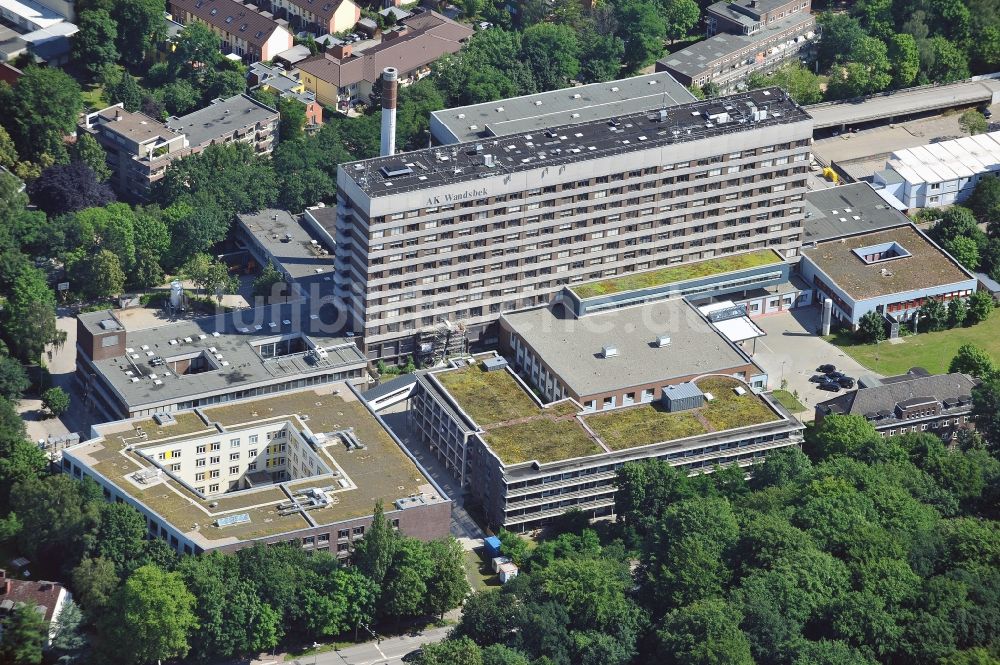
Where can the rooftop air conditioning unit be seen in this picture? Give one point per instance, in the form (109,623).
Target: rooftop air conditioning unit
(662,341)
(609,351)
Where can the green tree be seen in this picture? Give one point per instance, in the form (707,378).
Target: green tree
(829,652)
(293,119)
(553,54)
(404,589)
(374,554)
(680,16)
(152,241)
(87,150)
(209,275)
(179,97)
(643,30)
(149,618)
(980,306)
(264,283)
(487,617)
(25,634)
(801,83)
(140,25)
(932,315)
(949,61)
(8,153)
(601,56)
(94,44)
(94,581)
(867,70)
(986,409)
(36,133)
(871,328)
(446,582)
(56,516)
(905,59)
(97,276)
(121,87)
(973,122)
(965,250)
(985,200)
(461,651)
(68,640)
(513,546)
(223,84)
(196,48)
(958,312)
(836,435)
(972,360)
(840,35)
(13,379)
(56,401)
(704,633)
(31,315)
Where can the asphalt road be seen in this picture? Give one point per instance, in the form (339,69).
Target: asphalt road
(389,652)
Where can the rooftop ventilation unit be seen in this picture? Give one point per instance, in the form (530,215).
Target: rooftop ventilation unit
(609,351)
(662,341)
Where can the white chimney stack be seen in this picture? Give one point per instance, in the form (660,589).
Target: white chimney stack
(390,78)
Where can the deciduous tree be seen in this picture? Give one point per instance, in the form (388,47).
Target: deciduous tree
(35,132)
(871,328)
(56,400)
(69,187)
(972,360)
(94,44)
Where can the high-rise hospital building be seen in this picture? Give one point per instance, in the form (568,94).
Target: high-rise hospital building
(451,236)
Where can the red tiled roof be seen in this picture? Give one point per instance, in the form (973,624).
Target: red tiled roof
(31,593)
(430,36)
(229,16)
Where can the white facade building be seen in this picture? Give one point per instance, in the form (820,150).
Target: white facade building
(939,174)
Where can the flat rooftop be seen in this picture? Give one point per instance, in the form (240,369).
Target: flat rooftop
(232,336)
(926,266)
(35,14)
(948,160)
(135,126)
(382,470)
(518,429)
(572,347)
(835,212)
(302,257)
(677,273)
(585,103)
(695,59)
(462,162)
(221,117)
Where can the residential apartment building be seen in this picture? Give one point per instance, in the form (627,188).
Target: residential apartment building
(244,30)
(746,37)
(913,402)
(462,233)
(139,149)
(274,78)
(342,77)
(319,17)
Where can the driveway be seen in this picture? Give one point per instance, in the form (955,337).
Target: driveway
(791,350)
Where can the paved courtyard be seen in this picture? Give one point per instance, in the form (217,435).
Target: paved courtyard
(791,350)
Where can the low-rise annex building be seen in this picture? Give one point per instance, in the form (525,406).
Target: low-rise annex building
(306,466)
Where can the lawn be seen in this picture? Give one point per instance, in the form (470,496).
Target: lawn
(932,351)
(481,577)
(677,273)
(92,97)
(642,426)
(488,397)
(541,439)
(787,400)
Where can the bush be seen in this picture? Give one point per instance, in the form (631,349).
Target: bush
(56,401)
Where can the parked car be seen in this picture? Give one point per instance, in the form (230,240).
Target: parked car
(846,382)
(987,113)
(413,656)
(826,369)
(835,376)
(818,378)
(831,386)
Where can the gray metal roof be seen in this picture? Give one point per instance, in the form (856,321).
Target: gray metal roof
(585,103)
(390,386)
(236,333)
(220,118)
(683,391)
(463,162)
(938,387)
(697,58)
(835,212)
(572,347)
(991,284)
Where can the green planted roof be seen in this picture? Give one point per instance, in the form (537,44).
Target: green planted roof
(677,273)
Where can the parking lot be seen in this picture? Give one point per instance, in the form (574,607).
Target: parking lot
(791,350)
